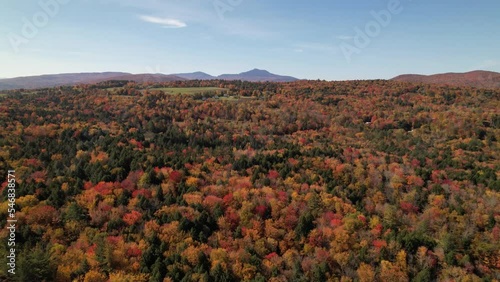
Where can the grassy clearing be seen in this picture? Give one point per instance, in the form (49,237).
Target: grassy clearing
(113,88)
(229,98)
(17,93)
(236,98)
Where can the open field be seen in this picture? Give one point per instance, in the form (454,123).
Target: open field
(28,92)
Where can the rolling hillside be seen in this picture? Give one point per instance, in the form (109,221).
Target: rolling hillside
(479,79)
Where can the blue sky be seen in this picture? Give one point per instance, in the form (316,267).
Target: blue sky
(316,39)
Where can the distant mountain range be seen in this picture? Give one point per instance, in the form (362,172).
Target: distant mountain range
(51,80)
(480,79)
(257,75)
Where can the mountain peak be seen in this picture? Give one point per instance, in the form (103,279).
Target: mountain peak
(257,72)
(257,75)
(195,75)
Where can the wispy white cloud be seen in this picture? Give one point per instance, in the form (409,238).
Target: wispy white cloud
(199,13)
(164,22)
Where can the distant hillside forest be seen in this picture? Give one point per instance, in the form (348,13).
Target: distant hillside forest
(241,181)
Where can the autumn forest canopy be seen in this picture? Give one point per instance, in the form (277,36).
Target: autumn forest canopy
(240,181)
